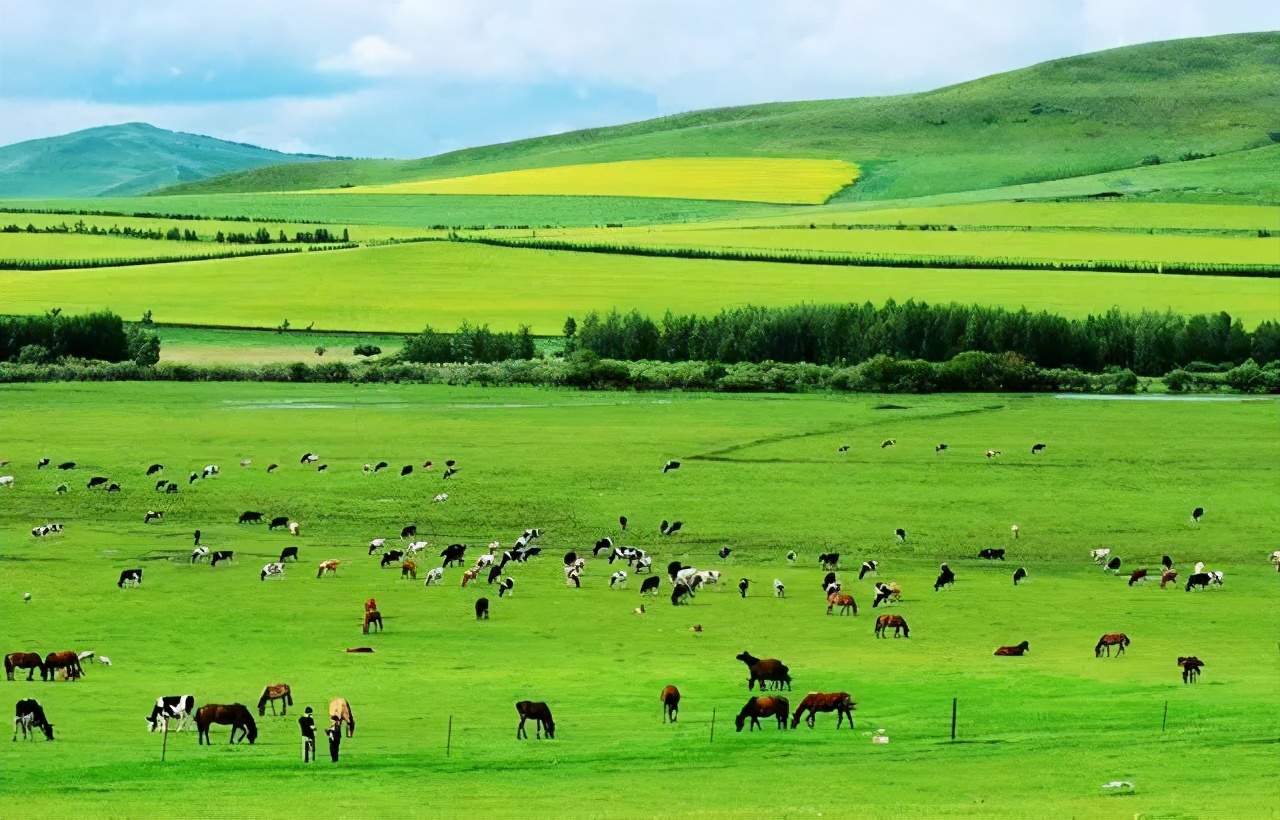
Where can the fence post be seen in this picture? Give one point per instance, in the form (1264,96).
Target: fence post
(1164,719)
(448,738)
(713,725)
(953,718)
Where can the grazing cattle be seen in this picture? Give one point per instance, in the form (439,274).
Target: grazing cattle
(763,707)
(992,453)
(1190,668)
(673,568)
(889,442)
(868,568)
(901,535)
(330,566)
(482,609)
(743,586)
(449,472)
(538,712)
(622,522)
(1114,564)
(416,547)
(210,470)
(380,466)
(409,531)
(670,698)
(234,715)
(29,661)
(495,573)
(487,559)
(67,465)
(1275,560)
(829,560)
(199,554)
(1198,579)
(1197,514)
(409,569)
(708,577)
(638,610)
(322,468)
(1169,576)
(295,528)
(845,602)
(991,554)
(767,670)
(939,448)
(1036,448)
(883,593)
(104,660)
(97,481)
(250,517)
(680,592)
(434,576)
(469,575)
(6,481)
(779,589)
(1137,575)
(1216,577)
(426,465)
(1116,639)
(450,463)
(376,544)
(506,588)
(68,662)
(42,463)
(372,618)
(279,522)
(287,553)
(604,545)
(29,716)
(309,458)
(274,570)
(945,578)
(40,532)
(453,554)
(1166,562)
(843,448)
(220,555)
(406,470)
(723,552)
(897,622)
(153,515)
(246,462)
(161,484)
(1014,530)
(650,585)
(113,487)
(341,714)
(1013,651)
(170,488)
(670,465)
(130,577)
(193,478)
(643,564)
(839,702)
(271,468)
(618,580)
(1019,575)
(390,557)
(791,557)
(272,693)
(1100,555)
(570,558)
(171,707)
(61,489)
(153,469)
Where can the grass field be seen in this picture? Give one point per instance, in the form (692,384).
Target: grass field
(1036,736)
(217,346)
(783,181)
(402,288)
(85,246)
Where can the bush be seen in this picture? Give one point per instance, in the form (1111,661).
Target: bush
(34,354)
(367,350)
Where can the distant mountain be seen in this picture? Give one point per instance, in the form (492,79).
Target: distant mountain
(123,160)
(1095,113)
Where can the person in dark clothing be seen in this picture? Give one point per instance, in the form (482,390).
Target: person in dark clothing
(308,726)
(334,733)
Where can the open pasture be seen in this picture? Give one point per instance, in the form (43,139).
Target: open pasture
(1037,735)
(402,288)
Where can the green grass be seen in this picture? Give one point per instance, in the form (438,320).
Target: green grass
(1077,116)
(401,288)
(198,345)
(761,474)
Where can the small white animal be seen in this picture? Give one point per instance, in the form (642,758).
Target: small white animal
(440,499)
(294,528)
(618,580)
(6,481)
(246,462)
(1014,530)
(26,596)
(416,547)
(434,576)
(1118,784)
(779,589)
(1199,566)
(104,660)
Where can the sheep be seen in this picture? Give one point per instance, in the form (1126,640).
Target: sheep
(441,498)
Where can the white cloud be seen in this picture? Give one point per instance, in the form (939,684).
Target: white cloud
(370,56)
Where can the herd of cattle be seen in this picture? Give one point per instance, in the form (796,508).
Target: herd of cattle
(686,582)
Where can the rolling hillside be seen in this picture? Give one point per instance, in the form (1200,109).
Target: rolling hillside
(1081,115)
(124,160)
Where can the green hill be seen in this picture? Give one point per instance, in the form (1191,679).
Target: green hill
(1081,115)
(123,160)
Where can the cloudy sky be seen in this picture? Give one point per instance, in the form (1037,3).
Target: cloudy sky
(407,78)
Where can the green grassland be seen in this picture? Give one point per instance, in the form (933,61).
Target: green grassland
(404,287)
(1082,115)
(1037,736)
(202,345)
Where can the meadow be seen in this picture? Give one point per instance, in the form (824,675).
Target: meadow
(1036,736)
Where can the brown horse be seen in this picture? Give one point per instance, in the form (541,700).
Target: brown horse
(328,566)
(899,624)
(273,693)
(540,713)
(1014,651)
(340,711)
(670,698)
(372,618)
(814,702)
(1190,668)
(69,662)
(29,661)
(769,670)
(1169,576)
(757,708)
(409,570)
(235,715)
(845,602)
(1116,639)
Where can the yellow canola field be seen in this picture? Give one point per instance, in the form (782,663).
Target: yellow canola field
(785,181)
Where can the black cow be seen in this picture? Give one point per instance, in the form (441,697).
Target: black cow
(829,560)
(154,468)
(602,545)
(672,569)
(288,552)
(406,469)
(1198,579)
(1197,514)
(742,587)
(29,715)
(161,484)
(723,552)
(380,466)
(1114,564)
(868,568)
(113,487)
(680,593)
(1036,448)
(42,463)
(992,554)
(622,519)
(271,468)
(250,517)
(670,465)
(132,577)
(170,488)
(453,553)
(322,468)
(391,557)
(309,458)
(1019,574)
(945,578)
(97,481)
(939,448)
(279,522)
(67,465)
(650,584)
(901,533)
(482,609)
(409,531)
(221,555)
(570,558)
(495,572)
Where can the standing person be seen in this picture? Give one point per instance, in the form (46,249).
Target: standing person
(334,733)
(308,726)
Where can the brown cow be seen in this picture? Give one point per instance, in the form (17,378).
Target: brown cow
(328,566)
(1190,668)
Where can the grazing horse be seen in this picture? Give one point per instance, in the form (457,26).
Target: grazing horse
(1190,668)
(29,715)
(29,661)
(768,670)
(757,708)
(898,623)
(340,713)
(67,661)
(670,698)
(1137,575)
(409,569)
(845,602)
(1169,576)
(538,712)
(1014,651)
(235,715)
(1116,639)
(373,618)
(328,566)
(272,693)
(814,702)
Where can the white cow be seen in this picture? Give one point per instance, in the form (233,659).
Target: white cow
(210,469)
(417,547)
(6,481)
(779,589)
(1100,556)
(294,528)
(440,499)
(377,544)
(707,577)
(434,577)
(686,575)
(276,569)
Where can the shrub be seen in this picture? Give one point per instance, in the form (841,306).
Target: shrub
(367,350)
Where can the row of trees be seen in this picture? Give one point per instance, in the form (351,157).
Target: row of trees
(468,344)
(54,336)
(1149,343)
(262,236)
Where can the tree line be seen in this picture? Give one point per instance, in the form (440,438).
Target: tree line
(55,336)
(262,236)
(468,344)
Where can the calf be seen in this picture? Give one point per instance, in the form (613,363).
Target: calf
(507,588)
(409,531)
(171,707)
(453,554)
(199,554)
(29,716)
(130,577)
(376,544)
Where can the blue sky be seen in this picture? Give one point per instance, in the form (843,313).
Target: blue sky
(408,78)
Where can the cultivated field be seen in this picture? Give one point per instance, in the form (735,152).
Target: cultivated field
(1036,735)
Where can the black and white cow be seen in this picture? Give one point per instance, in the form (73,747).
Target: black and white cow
(868,568)
(153,515)
(199,554)
(29,716)
(376,544)
(171,707)
(618,580)
(220,555)
(604,545)
(309,458)
(506,588)
(276,569)
(130,577)
(287,553)
(992,554)
(409,531)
